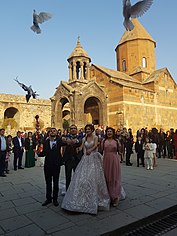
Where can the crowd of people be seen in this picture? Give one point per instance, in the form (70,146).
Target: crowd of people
(17,145)
(92,160)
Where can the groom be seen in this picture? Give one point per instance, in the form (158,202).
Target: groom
(71,154)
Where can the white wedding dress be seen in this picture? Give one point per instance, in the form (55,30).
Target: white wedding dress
(87,191)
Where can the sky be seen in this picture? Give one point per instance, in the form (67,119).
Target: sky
(40,60)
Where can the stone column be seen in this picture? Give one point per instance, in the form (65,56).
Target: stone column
(82,71)
(70,72)
(53,104)
(74,71)
(58,115)
(88,71)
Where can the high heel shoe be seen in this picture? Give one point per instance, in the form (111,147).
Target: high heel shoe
(115,202)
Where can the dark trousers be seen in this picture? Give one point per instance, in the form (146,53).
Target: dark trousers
(160,150)
(140,156)
(6,166)
(69,166)
(52,176)
(170,149)
(128,154)
(2,161)
(18,156)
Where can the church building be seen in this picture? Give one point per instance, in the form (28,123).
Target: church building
(135,94)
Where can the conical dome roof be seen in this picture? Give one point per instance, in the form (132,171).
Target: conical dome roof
(138,32)
(79,51)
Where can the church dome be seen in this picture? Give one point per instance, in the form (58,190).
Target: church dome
(79,51)
(138,32)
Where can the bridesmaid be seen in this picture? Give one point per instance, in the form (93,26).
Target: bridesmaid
(30,146)
(111,165)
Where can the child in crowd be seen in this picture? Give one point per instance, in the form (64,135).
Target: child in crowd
(148,154)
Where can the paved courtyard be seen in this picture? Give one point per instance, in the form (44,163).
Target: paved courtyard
(23,191)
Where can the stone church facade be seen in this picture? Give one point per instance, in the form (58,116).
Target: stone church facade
(135,95)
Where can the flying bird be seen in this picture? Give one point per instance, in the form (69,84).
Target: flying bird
(29,90)
(39,19)
(134,11)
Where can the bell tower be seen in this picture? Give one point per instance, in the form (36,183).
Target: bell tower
(136,52)
(79,64)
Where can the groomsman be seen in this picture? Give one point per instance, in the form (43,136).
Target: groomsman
(53,161)
(18,149)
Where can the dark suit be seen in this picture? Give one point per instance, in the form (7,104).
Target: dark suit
(140,152)
(52,163)
(129,146)
(18,151)
(2,159)
(71,157)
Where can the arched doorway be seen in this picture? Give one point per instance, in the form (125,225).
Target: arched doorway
(11,118)
(65,113)
(92,111)
(11,112)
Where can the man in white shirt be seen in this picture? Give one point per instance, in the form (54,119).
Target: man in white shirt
(18,150)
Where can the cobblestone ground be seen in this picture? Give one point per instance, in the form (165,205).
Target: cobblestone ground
(23,191)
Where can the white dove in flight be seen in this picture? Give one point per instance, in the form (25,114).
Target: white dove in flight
(39,19)
(134,11)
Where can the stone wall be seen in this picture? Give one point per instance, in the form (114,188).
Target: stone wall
(14,106)
(136,108)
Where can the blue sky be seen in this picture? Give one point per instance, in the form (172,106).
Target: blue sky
(41,60)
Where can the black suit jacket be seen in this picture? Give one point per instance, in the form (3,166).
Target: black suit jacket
(70,150)
(53,157)
(139,147)
(16,144)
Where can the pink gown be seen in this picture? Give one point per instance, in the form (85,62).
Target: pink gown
(112,169)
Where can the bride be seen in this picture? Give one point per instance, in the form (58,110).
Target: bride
(87,191)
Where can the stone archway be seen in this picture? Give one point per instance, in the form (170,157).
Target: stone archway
(11,118)
(66,114)
(11,112)
(92,111)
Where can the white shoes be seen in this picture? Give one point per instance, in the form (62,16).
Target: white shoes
(149,168)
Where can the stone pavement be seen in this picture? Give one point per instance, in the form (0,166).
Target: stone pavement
(23,191)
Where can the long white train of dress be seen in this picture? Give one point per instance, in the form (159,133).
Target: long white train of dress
(87,191)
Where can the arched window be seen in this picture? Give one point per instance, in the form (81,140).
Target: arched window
(85,70)
(124,65)
(144,62)
(78,67)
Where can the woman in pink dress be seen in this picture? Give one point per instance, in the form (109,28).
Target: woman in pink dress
(111,165)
